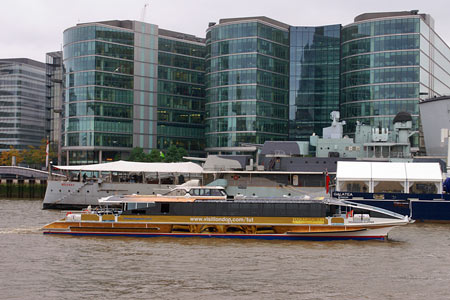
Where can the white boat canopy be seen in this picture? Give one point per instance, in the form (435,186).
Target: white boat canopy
(385,177)
(138,167)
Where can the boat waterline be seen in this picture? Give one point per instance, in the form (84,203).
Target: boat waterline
(305,236)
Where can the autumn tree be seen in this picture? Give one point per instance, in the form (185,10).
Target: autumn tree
(31,156)
(6,156)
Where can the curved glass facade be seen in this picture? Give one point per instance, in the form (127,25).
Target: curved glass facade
(387,67)
(314,79)
(131,84)
(99,91)
(247,84)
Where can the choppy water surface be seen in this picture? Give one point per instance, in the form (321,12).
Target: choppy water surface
(413,264)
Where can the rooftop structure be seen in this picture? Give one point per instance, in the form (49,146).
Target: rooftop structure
(369,142)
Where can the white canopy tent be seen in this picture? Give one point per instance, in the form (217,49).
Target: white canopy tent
(358,174)
(138,167)
(387,176)
(423,172)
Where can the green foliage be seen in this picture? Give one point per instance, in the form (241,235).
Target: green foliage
(182,152)
(155,156)
(138,154)
(173,154)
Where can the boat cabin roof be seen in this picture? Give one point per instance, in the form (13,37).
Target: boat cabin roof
(178,194)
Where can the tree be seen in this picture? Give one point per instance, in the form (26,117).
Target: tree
(175,154)
(155,156)
(35,157)
(32,156)
(171,154)
(137,154)
(6,156)
(181,152)
(27,155)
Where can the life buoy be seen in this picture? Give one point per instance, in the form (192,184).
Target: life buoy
(236,177)
(349,214)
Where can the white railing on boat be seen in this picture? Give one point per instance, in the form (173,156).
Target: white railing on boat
(370,208)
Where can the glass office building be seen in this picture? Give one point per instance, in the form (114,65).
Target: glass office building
(254,79)
(314,79)
(389,62)
(247,68)
(181,91)
(112,89)
(99,91)
(23,103)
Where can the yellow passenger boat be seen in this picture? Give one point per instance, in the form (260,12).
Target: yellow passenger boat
(207,212)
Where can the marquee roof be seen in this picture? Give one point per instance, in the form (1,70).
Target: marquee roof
(137,167)
(388,171)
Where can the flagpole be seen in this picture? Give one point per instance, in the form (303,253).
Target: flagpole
(46,153)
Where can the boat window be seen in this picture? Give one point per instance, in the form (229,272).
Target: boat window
(165,208)
(131,205)
(141,205)
(178,192)
(216,193)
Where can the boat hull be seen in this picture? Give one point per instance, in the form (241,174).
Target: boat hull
(310,237)
(430,210)
(284,231)
(420,210)
(420,207)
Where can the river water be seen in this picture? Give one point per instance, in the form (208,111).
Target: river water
(413,264)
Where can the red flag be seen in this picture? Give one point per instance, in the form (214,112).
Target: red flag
(327,181)
(349,214)
(46,153)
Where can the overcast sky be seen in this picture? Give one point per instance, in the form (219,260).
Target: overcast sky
(31,28)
